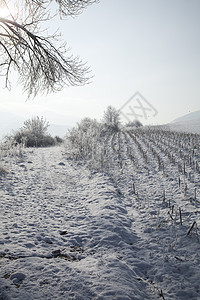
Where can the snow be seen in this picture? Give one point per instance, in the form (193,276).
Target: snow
(190,126)
(68,232)
(192,116)
(187,123)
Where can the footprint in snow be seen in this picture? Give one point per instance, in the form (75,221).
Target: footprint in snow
(17,278)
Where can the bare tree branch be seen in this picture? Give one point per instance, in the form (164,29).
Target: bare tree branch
(65,7)
(72,7)
(42,66)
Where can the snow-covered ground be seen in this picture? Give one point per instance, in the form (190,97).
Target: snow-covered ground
(187,123)
(126,233)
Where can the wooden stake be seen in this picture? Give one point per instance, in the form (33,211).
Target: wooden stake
(185,189)
(133,188)
(191,228)
(190,177)
(180,214)
(184,168)
(163,195)
(163,167)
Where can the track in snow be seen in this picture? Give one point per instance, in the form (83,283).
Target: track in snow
(66,233)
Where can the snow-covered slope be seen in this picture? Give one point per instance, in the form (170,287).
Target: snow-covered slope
(188,117)
(131,232)
(187,123)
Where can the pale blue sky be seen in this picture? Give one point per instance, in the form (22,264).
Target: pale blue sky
(150,46)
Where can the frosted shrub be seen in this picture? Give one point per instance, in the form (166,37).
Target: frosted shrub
(58,140)
(81,141)
(36,125)
(34,133)
(9,148)
(133,125)
(87,141)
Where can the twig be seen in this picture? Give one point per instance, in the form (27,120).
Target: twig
(191,228)
(178,258)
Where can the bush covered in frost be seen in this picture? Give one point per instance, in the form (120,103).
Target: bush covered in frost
(133,125)
(81,141)
(86,141)
(33,134)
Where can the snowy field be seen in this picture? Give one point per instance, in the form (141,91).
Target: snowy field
(127,231)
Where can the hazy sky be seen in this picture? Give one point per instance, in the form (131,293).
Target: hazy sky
(149,46)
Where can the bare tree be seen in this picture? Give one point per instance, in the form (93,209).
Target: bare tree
(41,64)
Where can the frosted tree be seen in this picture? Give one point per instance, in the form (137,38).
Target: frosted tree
(26,46)
(111,118)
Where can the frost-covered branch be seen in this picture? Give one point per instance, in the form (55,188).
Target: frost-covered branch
(41,64)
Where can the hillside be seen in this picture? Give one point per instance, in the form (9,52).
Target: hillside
(187,123)
(114,218)
(188,117)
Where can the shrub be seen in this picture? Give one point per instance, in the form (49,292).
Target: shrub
(81,141)
(58,140)
(34,134)
(134,124)
(36,125)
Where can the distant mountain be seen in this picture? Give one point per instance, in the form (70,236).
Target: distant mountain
(187,123)
(189,117)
